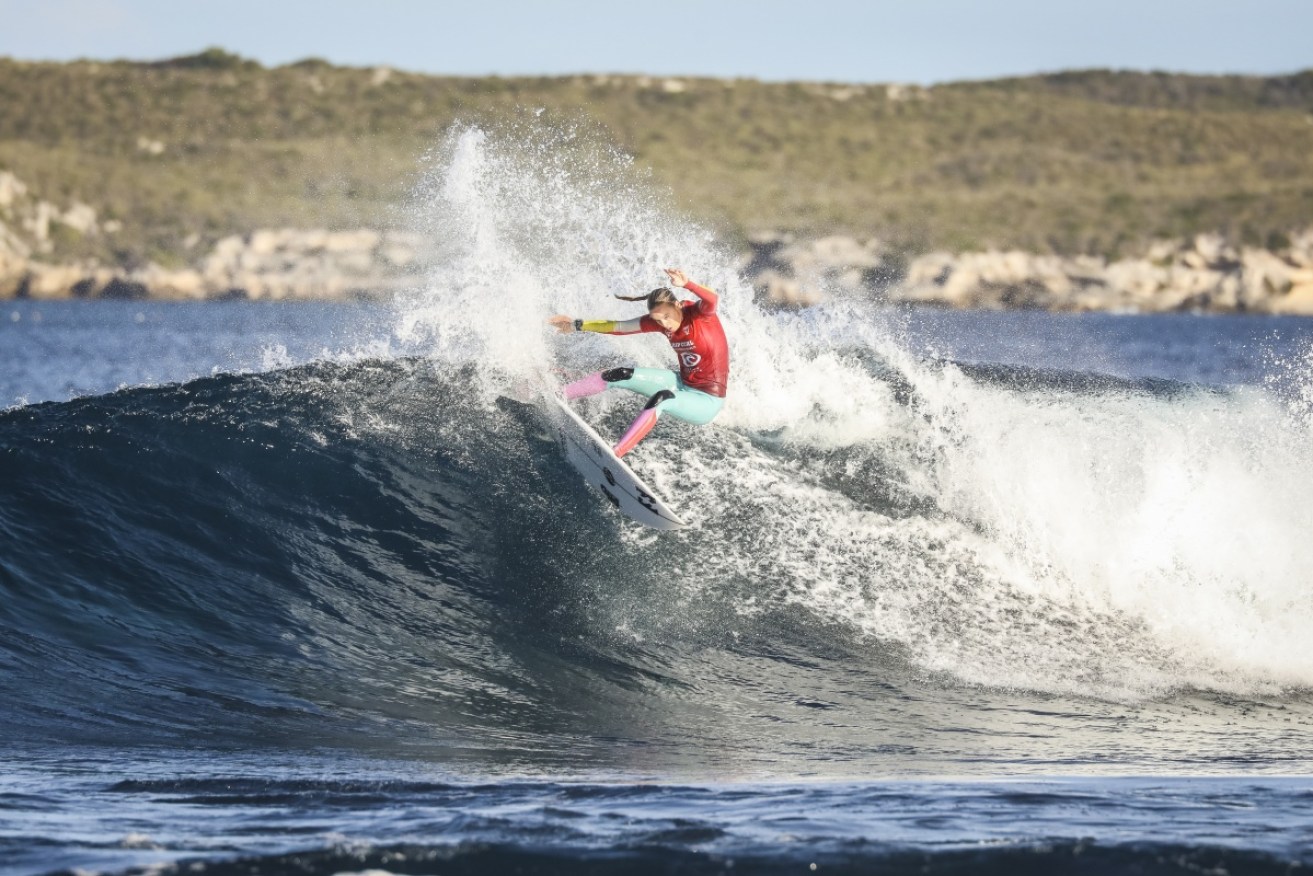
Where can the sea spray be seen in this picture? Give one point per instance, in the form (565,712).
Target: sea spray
(1178,512)
(1102,542)
(534,224)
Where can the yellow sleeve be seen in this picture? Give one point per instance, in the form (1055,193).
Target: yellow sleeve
(614,327)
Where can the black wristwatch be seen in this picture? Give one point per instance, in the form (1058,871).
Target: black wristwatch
(578,325)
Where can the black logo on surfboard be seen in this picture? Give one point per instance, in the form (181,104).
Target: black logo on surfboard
(645,499)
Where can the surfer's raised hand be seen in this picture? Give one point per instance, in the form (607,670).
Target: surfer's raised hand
(677,277)
(561,323)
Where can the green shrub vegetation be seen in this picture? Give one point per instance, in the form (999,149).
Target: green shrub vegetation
(1089,161)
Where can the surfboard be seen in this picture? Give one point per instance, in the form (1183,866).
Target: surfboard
(601,468)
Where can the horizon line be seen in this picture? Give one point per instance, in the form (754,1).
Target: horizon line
(82,59)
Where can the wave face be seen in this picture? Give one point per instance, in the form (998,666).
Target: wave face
(897,561)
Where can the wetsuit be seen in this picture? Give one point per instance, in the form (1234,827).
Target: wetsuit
(696,394)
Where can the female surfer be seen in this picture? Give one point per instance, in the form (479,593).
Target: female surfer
(697,393)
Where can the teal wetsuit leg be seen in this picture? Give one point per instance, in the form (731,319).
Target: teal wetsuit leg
(649,381)
(690,405)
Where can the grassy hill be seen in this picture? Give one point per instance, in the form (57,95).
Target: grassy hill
(1079,162)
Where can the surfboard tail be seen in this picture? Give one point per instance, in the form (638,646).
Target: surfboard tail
(602,468)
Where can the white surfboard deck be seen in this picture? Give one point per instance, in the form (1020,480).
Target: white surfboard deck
(601,468)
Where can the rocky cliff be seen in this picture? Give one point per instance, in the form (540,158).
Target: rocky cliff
(1207,273)
(267,264)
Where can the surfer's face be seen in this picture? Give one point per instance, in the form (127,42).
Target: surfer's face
(668,316)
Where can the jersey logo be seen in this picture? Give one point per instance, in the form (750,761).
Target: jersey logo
(690,360)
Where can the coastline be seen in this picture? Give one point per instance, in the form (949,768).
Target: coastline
(1204,275)
(1207,273)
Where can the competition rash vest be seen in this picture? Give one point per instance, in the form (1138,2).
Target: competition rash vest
(699,342)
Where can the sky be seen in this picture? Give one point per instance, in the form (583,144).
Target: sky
(922,41)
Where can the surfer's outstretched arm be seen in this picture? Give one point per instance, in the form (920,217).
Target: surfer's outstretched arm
(565,325)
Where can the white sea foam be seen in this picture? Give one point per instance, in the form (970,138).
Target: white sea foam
(1105,542)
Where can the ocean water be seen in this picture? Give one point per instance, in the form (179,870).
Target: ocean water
(303,589)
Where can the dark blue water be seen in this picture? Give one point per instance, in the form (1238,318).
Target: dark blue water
(57,350)
(280,592)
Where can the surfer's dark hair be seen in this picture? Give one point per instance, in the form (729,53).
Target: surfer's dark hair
(657,296)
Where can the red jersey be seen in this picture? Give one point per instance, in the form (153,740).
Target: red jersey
(699,342)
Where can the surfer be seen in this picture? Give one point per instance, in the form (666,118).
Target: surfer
(694,395)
